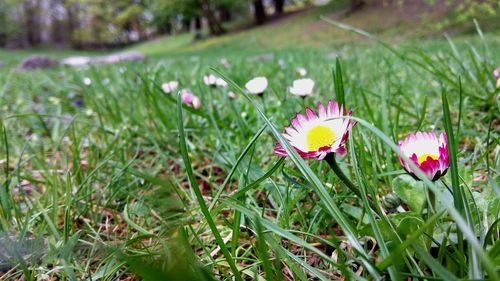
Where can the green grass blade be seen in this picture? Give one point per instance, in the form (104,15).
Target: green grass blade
(199,195)
(338,82)
(431,262)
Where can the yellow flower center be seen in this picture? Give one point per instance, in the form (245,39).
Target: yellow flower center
(319,137)
(424,157)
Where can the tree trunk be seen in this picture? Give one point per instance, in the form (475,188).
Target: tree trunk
(186,25)
(165,28)
(259,12)
(213,22)
(197,28)
(354,5)
(278,6)
(72,24)
(32,23)
(225,14)
(57,27)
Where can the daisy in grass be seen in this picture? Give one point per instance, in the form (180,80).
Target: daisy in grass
(301,71)
(219,82)
(169,87)
(426,151)
(210,80)
(316,135)
(302,87)
(257,86)
(496,73)
(190,99)
(224,62)
(214,81)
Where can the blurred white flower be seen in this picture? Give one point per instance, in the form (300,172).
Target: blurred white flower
(35,137)
(169,87)
(257,86)
(54,100)
(220,82)
(302,87)
(301,71)
(224,62)
(87,81)
(89,112)
(210,80)
(231,95)
(214,81)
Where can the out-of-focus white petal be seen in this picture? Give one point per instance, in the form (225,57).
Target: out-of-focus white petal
(302,87)
(257,85)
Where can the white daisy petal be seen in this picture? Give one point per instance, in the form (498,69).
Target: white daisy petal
(257,86)
(302,87)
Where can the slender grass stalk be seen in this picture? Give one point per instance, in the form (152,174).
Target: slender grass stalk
(199,195)
(338,82)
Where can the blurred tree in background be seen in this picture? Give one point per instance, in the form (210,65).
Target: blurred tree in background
(103,23)
(107,24)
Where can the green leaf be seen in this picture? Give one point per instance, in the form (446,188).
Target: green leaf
(411,191)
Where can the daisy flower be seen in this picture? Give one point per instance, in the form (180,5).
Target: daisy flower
(257,86)
(224,62)
(302,87)
(87,81)
(316,135)
(190,99)
(496,73)
(169,87)
(301,71)
(219,82)
(210,80)
(426,151)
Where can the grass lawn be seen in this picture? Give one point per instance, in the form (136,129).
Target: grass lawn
(105,177)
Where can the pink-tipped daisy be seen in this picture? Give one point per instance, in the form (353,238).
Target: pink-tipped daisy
(496,73)
(426,151)
(190,99)
(316,135)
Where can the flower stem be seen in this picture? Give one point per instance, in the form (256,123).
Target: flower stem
(431,210)
(330,159)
